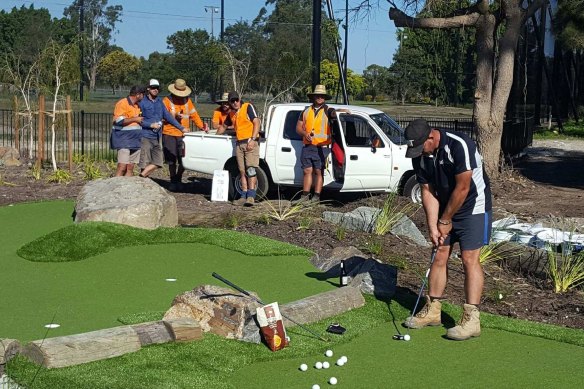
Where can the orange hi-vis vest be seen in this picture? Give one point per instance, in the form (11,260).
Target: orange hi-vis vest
(242,123)
(317,124)
(219,116)
(184,106)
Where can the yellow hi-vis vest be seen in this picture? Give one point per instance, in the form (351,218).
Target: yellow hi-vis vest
(242,123)
(317,125)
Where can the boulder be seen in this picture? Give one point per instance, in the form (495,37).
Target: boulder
(374,277)
(133,201)
(9,348)
(218,310)
(352,256)
(9,156)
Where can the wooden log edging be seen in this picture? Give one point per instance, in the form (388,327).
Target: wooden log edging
(93,346)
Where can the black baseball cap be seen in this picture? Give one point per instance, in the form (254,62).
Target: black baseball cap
(233,96)
(137,89)
(417,132)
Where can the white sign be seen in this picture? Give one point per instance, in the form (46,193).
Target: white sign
(220,187)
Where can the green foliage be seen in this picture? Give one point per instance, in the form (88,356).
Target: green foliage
(305,223)
(340,233)
(116,68)
(81,241)
(92,171)
(60,176)
(372,245)
(392,212)
(231,221)
(566,270)
(569,23)
(571,129)
(5,183)
(498,251)
(329,76)
(36,171)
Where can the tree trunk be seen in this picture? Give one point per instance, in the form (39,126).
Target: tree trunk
(92,78)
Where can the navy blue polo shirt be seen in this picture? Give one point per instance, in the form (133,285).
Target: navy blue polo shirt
(456,154)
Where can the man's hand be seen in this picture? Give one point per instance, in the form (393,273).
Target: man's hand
(138,119)
(155,126)
(444,230)
(435,236)
(205,127)
(308,137)
(251,144)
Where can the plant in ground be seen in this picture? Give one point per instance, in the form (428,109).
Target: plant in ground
(340,233)
(5,183)
(60,176)
(392,212)
(566,270)
(92,171)
(36,171)
(372,246)
(497,251)
(231,221)
(283,210)
(305,223)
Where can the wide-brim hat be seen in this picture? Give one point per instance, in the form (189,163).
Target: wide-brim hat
(320,90)
(224,99)
(179,88)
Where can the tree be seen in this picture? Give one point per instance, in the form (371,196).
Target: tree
(569,23)
(116,67)
(375,77)
(196,57)
(497,29)
(99,24)
(329,77)
(241,42)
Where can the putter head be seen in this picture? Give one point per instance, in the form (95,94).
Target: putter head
(398,337)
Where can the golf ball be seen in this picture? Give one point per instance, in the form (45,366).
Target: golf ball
(315,386)
(318,365)
(406,337)
(333,381)
(340,362)
(344,358)
(326,365)
(303,367)
(329,353)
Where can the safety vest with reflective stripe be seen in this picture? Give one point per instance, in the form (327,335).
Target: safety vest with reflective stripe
(242,123)
(219,116)
(124,109)
(186,108)
(317,124)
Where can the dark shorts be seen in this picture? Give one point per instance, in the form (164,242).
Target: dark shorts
(312,156)
(173,149)
(151,153)
(471,232)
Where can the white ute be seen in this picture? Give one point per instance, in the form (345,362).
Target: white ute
(372,143)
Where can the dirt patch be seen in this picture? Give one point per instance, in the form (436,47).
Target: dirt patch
(546,183)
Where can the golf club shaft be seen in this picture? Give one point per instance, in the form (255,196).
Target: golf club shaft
(432,257)
(222,279)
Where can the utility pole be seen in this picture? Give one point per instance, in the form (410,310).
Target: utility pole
(81,31)
(346,52)
(222,19)
(213,10)
(316,22)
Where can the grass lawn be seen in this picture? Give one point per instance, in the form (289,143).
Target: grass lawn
(84,277)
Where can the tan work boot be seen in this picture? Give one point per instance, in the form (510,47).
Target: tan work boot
(429,315)
(249,202)
(239,201)
(469,325)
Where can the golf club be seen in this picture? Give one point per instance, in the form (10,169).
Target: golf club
(262,303)
(407,335)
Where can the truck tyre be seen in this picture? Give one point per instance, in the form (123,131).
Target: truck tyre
(413,190)
(235,191)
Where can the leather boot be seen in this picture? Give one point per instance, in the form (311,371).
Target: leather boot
(469,325)
(429,315)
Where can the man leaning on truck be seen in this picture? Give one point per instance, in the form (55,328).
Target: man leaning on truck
(246,123)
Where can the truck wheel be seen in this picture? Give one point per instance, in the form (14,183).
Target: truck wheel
(413,190)
(235,190)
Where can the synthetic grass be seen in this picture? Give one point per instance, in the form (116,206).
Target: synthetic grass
(81,241)
(126,284)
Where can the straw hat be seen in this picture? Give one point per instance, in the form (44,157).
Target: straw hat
(224,98)
(179,88)
(320,90)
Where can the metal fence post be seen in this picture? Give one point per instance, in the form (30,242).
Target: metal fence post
(82,132)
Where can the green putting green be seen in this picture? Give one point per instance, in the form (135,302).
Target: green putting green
(94,293)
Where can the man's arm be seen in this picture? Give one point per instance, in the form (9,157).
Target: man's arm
(458,196)
(197,120)
(431,208)
(170,118)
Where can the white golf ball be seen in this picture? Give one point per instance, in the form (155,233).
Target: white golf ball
(406,337)
(316,386)
(329,353)
(344,358)
(318,365)
(340,362)
(303,367)
(326,365)
(333,381)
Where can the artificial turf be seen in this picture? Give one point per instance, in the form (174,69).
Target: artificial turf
(127,284)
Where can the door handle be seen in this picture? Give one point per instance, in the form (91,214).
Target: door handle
(286,149)
(354,157)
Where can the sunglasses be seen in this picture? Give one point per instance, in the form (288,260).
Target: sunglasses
(233,100)
(154,87)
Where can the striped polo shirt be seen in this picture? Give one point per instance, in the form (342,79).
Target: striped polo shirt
(456,154)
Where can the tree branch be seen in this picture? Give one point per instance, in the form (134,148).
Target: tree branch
(400,19)
(532,8)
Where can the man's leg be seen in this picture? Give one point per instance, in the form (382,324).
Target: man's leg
(474,276)
(123,159)
(129,170)
(121,170)
(307,182)
(319,164)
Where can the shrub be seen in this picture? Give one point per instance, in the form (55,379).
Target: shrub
(392,212)
(497,251)
(92,171)
(372,246)
(36,171)
(340,233)
(565,269)
(60,176)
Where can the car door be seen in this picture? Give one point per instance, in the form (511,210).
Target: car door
(368,155)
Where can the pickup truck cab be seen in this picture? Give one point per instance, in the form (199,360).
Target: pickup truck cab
(369,155)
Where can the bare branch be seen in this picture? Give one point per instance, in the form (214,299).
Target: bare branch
(400,19)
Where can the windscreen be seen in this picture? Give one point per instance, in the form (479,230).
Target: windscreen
(390,128)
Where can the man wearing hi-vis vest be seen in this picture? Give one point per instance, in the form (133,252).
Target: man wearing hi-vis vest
(182,108)
(246,123)
(315,128)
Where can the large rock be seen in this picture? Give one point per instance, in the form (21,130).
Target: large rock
(134,201)
(218,310)
(352,256)
(9,156)
(374,277)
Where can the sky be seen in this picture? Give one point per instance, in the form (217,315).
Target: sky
(146,24)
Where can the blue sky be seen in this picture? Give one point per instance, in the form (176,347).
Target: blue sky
(146,24)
